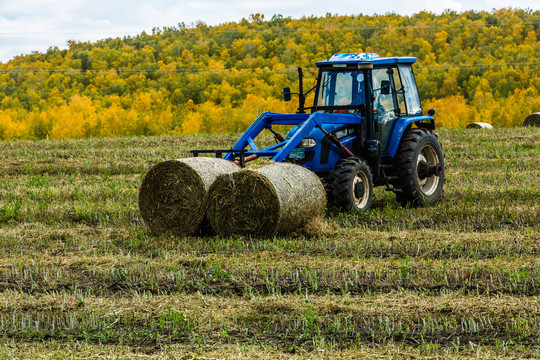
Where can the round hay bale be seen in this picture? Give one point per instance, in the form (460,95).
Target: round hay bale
(275,198)
(172,194)
(479,125)
(532,120)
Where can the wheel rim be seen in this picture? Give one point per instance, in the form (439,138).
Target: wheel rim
(429,184)
(361,198)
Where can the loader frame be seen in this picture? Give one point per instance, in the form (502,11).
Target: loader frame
(307,122)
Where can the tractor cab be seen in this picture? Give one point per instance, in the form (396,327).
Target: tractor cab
(380,90)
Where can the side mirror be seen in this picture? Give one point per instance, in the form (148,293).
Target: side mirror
(287,94)
(431,112)
(385,87)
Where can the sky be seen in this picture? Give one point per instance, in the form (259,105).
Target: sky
(36,25)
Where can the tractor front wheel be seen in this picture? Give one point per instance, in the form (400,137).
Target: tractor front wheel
(420,168)
(350,185)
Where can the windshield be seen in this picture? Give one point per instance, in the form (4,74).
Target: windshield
(341,88)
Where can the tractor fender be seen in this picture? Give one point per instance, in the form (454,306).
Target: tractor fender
(402,124)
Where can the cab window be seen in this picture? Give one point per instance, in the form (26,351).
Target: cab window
(343,88)
(399,93)
(384,105)
(383,101)
(410,92)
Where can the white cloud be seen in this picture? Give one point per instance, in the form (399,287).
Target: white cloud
(201,5)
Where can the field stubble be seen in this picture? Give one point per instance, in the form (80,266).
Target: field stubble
(80,274)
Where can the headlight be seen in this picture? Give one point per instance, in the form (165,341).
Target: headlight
(307,143)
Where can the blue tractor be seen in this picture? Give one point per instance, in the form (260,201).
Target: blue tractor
(366,128)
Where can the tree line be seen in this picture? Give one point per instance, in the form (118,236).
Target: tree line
(472,66)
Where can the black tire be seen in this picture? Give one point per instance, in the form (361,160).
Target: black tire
(350,185)
(419,147)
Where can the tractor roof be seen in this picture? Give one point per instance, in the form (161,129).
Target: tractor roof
(365,58)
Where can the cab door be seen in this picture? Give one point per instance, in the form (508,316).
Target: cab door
(407,91)
(386,105)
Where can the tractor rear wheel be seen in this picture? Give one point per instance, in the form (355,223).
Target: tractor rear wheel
(420,168)
(350,185)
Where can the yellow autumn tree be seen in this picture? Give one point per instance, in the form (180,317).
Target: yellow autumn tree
(452,112)
(11,127)
(192,124)
(116,121)
(76,120)
(515,109)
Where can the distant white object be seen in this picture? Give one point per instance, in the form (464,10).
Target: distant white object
(532,120)
(479,125)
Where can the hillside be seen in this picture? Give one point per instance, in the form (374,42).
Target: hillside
(206,79)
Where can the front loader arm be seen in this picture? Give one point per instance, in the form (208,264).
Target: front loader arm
(264,121)
(280,151)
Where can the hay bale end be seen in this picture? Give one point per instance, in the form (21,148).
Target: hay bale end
(173,193)
(532,120)
(479,125)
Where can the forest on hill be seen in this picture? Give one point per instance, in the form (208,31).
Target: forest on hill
(472,66)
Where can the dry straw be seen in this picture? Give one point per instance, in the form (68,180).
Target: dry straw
(173,193)
(275,198)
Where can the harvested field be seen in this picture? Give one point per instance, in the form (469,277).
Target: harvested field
(81,276)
